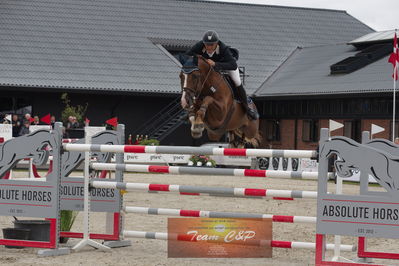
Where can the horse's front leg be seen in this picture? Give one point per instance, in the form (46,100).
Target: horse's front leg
(197,121)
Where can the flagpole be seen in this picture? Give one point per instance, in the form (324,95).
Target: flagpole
(394,93)
(394,103)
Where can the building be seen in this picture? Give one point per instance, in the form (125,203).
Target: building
(117,56)
(349,83)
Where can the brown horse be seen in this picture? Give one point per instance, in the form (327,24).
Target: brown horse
(211,105)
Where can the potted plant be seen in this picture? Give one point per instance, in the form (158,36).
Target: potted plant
(67,218)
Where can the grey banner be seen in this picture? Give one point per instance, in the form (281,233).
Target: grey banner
(28,199)
(102,199)
(358,216)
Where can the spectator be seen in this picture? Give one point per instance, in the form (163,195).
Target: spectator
(36,120)
(75,123)
(52,121)
(70,122)
(25,128)
(71,125)
(27,117)
(16,125)
(397,140)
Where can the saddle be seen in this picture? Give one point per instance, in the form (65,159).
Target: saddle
(231,84)
(233,88)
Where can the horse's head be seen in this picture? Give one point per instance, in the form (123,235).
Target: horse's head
(193,78)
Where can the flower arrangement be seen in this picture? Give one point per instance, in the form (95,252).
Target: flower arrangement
(150,142)
(201,160)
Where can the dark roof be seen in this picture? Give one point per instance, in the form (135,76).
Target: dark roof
(307,72)
(109,45)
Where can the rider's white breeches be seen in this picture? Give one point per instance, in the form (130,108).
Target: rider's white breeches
(235,76)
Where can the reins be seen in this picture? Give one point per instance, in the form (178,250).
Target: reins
(206,78)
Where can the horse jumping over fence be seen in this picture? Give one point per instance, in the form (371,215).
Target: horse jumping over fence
(211,105)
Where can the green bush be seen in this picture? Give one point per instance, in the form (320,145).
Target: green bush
(149,142)
(67,219)
(77,111)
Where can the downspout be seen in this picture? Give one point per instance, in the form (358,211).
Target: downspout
(296,134)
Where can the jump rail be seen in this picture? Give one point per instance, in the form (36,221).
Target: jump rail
(185,170)
(213,214)
(190,150)
(213,191)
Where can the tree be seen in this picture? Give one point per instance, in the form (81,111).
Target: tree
(77,111)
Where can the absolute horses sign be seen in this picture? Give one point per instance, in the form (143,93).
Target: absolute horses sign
(369,213)
(363,215)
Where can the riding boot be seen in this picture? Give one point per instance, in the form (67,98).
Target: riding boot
(242,95)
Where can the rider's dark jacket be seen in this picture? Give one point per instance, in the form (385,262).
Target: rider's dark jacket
(222,57)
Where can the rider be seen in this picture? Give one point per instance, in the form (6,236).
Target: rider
(218,55)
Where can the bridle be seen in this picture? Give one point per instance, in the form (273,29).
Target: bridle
(196,93)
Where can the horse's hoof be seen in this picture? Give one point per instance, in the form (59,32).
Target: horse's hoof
(198,128)
(196,135)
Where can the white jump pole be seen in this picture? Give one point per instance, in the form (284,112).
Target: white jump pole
(86,241)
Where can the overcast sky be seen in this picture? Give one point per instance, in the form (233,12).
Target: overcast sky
(378,14)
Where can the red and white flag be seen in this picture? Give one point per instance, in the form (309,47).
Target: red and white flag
(46,119)
(394,58)
(112,121)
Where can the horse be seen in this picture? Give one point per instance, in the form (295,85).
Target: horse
(211,105)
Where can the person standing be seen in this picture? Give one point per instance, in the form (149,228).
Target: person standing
(36,120)
(52,121)
(16,125)
(25,128)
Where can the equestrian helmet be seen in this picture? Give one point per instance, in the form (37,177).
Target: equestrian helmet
(210,37)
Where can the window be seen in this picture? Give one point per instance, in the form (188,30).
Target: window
(11,105)
(348,129)
(173,47)
(396,129)
(352,129)
(273,130)
(310,130)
